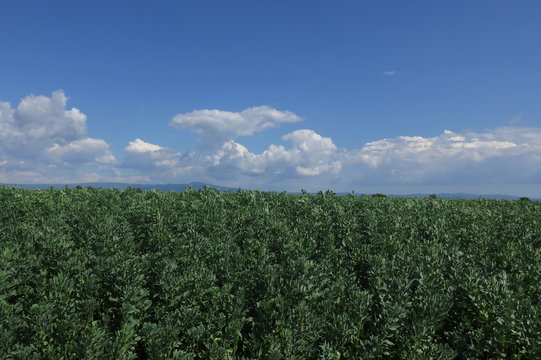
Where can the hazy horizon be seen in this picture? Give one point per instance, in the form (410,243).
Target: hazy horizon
(525,190)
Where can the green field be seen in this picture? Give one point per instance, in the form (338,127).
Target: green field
(108,274)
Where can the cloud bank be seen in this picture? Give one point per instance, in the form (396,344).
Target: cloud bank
(44,140)
(504,155)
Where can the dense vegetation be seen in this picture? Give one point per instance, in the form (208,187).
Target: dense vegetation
(109,274)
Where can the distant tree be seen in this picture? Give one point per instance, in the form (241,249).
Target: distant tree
(432,196)
(524,198)
(379,195)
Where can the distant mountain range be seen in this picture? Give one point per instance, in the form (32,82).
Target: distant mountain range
(465,196)
(199,185)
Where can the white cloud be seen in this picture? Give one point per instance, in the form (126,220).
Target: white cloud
(108,158)
(389,73)
(503,155)
(310,155)
(139,146)
(312,145)
(41,138)
(497,155)
(216,127)
(144,155)
(83,150)
(6,120)
(42,117)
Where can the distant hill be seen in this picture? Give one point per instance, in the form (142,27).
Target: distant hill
(456,196)
(449,196)
(199,185)
(465,196)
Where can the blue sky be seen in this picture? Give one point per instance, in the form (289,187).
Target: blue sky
(386,96)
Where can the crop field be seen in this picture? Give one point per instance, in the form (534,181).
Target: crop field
(201,274)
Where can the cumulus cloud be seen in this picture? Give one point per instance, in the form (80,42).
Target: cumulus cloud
(42,133)
(83,150)
(216,127)
(139,146)
(498,155)
(417,149)
(310,155)
(43,140)
(144,155)
(42,117)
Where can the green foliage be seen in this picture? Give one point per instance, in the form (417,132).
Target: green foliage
(106,274)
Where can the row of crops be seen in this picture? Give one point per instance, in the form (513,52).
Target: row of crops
(107,274)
